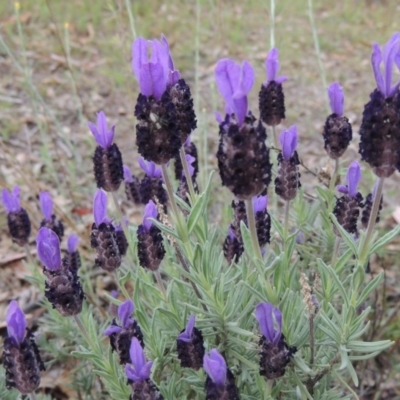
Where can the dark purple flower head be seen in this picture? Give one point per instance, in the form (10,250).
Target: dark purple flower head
(272,67)
(48,249)
(150,211)
(186,336)
(139,370)
(270,319)
(104,137)
(72,242)
(215,366)
(11,200)
(260,203)
(150,168)
(388,56)
(353,179)
(156,74)
(234,82)
(288,139)
(336,98)
(100,207)
(16,323)
(127,174)
(46,205)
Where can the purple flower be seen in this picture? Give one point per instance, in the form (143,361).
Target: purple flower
(11,200)
(388,56)
(231,234)
(46,205)
(270,319)
(100,207)
(150,211)
(125,310)
(156,74)
(48,249)
(150,168)
(104,137)
(336,98)
(186,336)
(139,370)
(215,366)
(260,203)
(234,83)
(288,139)
(72,242)
(190,160)
(16,323)
(353,179)
(127,174)
(272,67)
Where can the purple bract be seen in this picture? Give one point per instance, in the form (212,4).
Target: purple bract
(139,370)
(186,336)
(288,139)
(16,323)
(336,98)
(215,366)
(100,207)
(272,67)
(260,203)
(72,242)
(150,168)
(104,137)
(270,319)
(353,179)
(48,249)
(150,211)
(46,205)
(11,200)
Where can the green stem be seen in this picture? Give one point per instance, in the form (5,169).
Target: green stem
(131,18)
(29,257)
(335,251)
(275,135)
(253,230)
(82,328)
(334,176)
(187,173)
(286,220)
(121,287)
(272,24)
(32,396)
(160,283)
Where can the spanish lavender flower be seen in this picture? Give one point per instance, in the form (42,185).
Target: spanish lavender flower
(337,130)
(347,208)
(263,219)
(243,158)
(164,107)
(271,97)
(73,256)
(220,382)
(131,186)
(50,220)
(21,358)
(104,236)
(288,176)
(62,287)
(138,373)
(366,213)
(121,335)
(232,247)
(107,159)
(150,246)
(191,150)
(190,346)
(380,127)
(275,354)
(19,224)
(151,186)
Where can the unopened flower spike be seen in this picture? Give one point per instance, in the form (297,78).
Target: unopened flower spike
(347,208)
(21,358)
(150,243)
(337,129)
(263,219)
(275,354)
(138,373)
(132,185)
(50,220)
(243,159)
(19,224)
(74,258)
(104,236)
(232,247)
(380,126)
(62,287)
(271,97)
(220,382)
(121,334)
(288,177)
(107,159)
(190,346)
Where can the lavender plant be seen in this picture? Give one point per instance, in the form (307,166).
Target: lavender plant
(280,308)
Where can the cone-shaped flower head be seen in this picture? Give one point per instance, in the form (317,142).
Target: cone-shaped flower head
(387,56)
(336,98)
(156,73)
(150,211)
(11,200)
(100,207)
(215,366)
(46,205)
(150,168)
(72,242)
(16,323)
(139,370)
(288,139)
(187,334)
(48,249)
(353,179)
(234,82)
(272,67)
(270,319)
(104,136)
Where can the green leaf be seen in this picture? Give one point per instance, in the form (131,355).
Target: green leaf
(366,347)
(345,235)
(197,211)
(370,288)
(385,239)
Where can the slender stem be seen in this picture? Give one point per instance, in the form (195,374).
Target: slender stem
(32,396)
(82,328)
(29,255)
(131,19)
(334,176)
(272,23)
(160,283)
(170,190)
(187,173)
(252,226)
(335,251)
(122,287)
(312,339)
(286,221)
(275,135)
